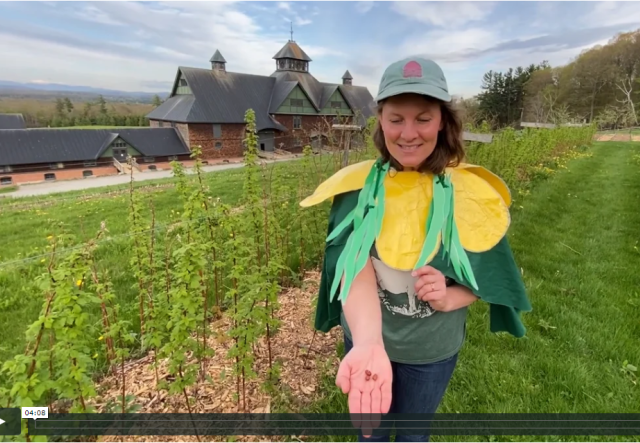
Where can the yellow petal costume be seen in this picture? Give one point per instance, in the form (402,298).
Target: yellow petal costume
(482,203)
(455,221)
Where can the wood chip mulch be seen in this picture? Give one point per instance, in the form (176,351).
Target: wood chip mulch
(299,371)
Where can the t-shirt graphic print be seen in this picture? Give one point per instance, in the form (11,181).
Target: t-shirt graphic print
(397,293)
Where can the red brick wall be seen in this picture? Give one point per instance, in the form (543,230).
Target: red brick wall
(231,138)
(310,124)
(61,174)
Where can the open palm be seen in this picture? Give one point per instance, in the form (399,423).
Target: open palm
(372,396)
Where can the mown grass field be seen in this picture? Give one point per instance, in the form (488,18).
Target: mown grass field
(576,238)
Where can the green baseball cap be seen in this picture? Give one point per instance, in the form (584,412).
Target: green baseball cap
(414,75)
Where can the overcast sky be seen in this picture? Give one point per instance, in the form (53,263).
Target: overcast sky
(137,46)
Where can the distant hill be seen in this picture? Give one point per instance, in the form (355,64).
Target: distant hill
(79,93)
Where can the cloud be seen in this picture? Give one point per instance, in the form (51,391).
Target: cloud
(444,14)
(93,14)
(364,6)
(444,46)
(292,16)
(133,46)
(302,21)
(567,40)
(611,14)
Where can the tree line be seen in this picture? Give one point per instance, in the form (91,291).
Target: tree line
(63,112)
(601,85)
(91,113)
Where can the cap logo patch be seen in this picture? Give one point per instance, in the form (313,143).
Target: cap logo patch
(412,69)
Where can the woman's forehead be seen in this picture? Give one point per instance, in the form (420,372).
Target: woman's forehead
(410,103)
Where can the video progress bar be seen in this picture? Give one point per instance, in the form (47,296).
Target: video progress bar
(335,424)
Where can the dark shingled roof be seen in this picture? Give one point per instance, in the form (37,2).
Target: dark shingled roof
(224,97)
(292,50)
(359,97)
(281,91)
(220,97)
(327,91)
(312,87)
(12,121)
(347,76)
(217,57)
(30,146)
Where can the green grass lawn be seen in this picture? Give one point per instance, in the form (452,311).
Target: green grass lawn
(577,241)
(8,189)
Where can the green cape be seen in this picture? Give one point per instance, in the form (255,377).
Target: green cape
(497,275)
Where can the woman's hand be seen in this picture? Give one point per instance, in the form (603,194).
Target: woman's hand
(365,374)
(431,287)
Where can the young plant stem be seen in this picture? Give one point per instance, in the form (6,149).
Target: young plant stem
(203,359)
(186,399)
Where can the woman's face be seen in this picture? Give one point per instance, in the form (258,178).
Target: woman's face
(410,125)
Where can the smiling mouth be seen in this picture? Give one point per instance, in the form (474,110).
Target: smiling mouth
(410,148)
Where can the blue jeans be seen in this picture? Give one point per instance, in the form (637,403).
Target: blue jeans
(416,389)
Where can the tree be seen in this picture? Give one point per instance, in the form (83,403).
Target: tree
(156,101)
(626,55)
(59,107)
(592,71)
(68,105)
(103,105)
(503,99)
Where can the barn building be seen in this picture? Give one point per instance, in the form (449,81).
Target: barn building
(207,106)
(36,155)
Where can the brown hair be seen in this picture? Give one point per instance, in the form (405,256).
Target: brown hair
(449,150)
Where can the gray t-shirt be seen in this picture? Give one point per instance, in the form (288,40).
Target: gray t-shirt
(412,331)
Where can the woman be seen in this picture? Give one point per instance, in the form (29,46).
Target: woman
(415,237)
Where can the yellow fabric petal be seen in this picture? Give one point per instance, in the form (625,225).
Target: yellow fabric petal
(349,178)
(480,212)
(494,180)
(407,199)
(481,201)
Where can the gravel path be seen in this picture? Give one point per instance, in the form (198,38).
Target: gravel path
(98,182)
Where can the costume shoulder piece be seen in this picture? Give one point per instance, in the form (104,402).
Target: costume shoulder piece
(411,215)
(457,220)
(347,179)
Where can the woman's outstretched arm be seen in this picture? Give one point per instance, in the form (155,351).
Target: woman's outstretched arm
(362,308)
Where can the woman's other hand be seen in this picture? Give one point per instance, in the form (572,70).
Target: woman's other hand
(431,287)
(365,374)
